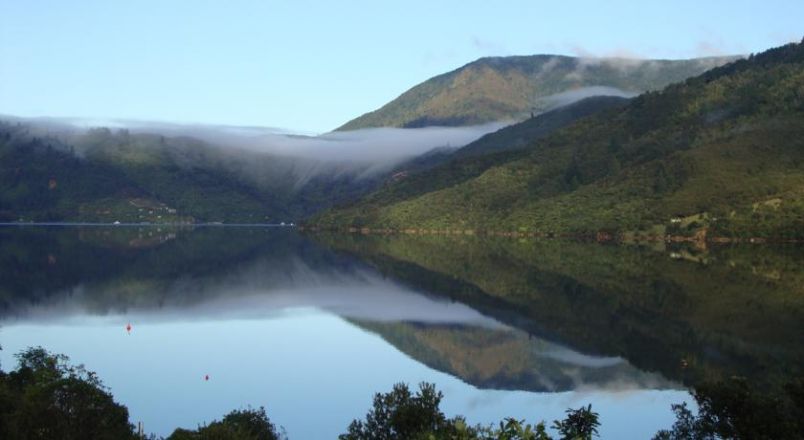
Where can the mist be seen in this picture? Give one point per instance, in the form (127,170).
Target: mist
(371,146)
(272,158)
(571,96)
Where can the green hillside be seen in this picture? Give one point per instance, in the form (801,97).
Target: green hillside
(721,153)
(118,177)
(106,176)
(510,88)
(439,170)
(519,136)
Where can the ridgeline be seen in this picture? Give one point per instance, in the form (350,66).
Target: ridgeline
(718,155)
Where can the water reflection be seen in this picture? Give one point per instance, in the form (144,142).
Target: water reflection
(300,363)
(440,332)
(304,325)
(507,358)
(714,314)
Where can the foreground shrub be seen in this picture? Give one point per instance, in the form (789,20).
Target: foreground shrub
(47,398)
(248,424)
(732,409)
(401,414)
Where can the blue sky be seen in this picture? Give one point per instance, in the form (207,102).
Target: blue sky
(310,65)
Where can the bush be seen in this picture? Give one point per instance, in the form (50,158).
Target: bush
(247,424)
(580,424)
(733,409)
(47,398)
(401,414)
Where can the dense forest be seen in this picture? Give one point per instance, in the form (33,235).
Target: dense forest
(718,154)
(104,175)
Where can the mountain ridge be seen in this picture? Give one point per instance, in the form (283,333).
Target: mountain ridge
(439,171)
(510,88)
(720,153)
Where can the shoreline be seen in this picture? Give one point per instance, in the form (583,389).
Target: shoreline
(599,237)
(188,225)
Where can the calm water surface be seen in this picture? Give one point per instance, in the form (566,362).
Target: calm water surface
(311,327)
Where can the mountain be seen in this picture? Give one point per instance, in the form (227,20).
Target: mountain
(441,169)
(104,175)
(113,177)
(511,88)
(56,172)
(721,153)
(518,136)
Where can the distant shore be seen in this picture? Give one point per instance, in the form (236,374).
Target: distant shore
(213,224)
(600,237)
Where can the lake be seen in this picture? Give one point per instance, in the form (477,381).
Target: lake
(311,326)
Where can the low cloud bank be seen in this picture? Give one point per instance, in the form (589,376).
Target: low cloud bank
(571,96)
(372,146)
(270,157)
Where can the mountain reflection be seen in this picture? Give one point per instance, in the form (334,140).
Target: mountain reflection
(691,314)
(505,358)
(216,274)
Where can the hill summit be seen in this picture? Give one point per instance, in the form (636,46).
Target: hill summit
(510,88)
(719,154)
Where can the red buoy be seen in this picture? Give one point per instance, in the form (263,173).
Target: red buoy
(128,328)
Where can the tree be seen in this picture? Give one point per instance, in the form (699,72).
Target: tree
(686,427)
(247,424)
(733,409)
(513,429)
(47,398)
(400,414)
(580,424)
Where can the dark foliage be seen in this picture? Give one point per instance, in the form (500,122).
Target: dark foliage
(725,146)
(247,424)
(733,409)
(400,414)
(46,398)
(580,424)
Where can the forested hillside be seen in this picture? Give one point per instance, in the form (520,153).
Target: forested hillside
(105,175)
(721,153)
(510,88)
